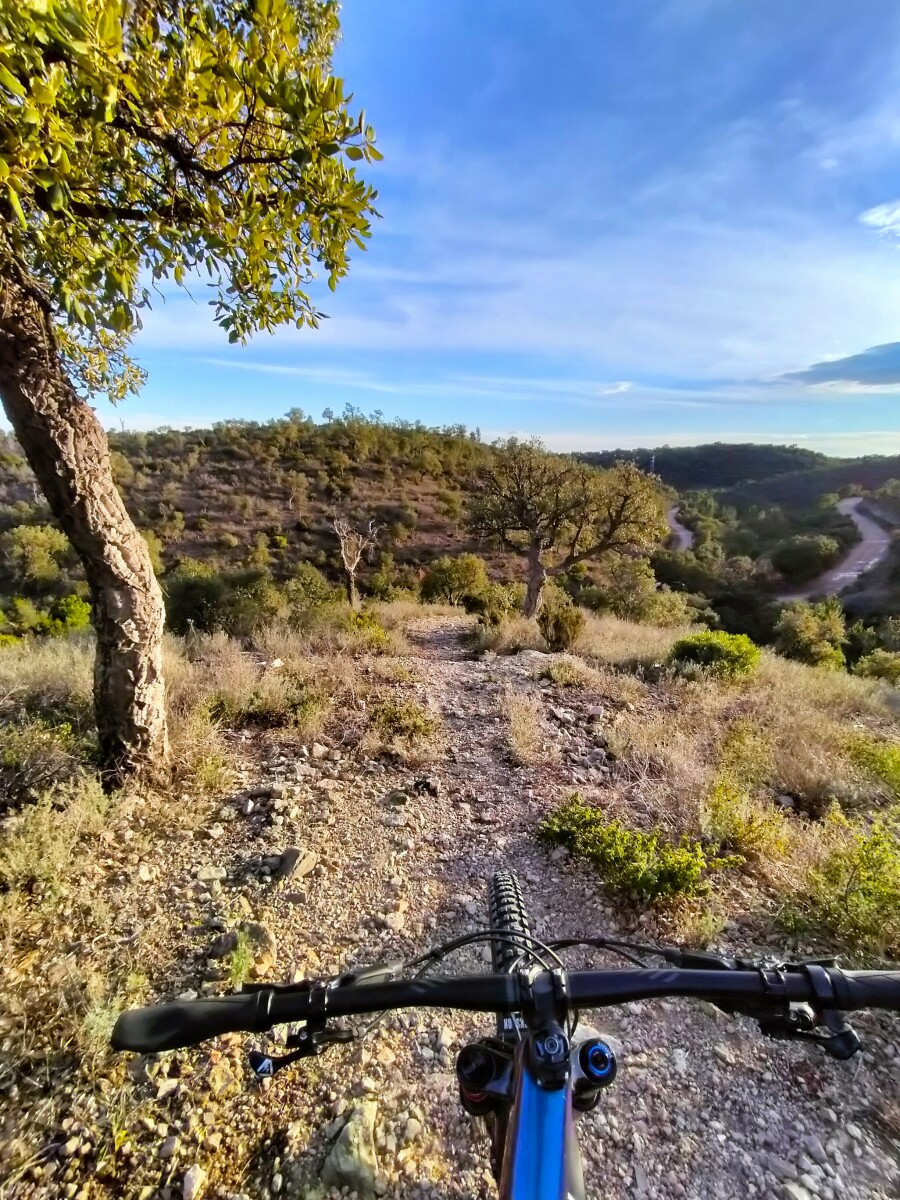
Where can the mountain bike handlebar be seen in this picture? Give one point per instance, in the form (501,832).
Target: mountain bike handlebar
(188,1022)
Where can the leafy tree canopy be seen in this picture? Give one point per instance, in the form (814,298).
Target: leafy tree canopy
(531,500)
(160,139)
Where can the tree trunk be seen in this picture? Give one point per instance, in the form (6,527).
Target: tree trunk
(67,449)
(537,577)
(350,588)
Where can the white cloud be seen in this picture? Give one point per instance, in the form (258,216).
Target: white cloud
(885,217)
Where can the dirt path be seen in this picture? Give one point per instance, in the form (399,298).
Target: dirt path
(866,554)
(684,537)
(703,1106)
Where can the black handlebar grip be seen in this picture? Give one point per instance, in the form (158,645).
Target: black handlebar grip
(866,989)
(187,1022)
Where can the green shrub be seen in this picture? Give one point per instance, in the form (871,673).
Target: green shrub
(401,720)
(739,823)
(853,896)
(560,623)
(880,664)
(629,860)
(69,613)
(879,759)
(725,655)
(23,617)
(368,632)
(450,579)
(494,604)
(812,633)
(195,595)
(805,556)
(200,598)
(36,755)
(308,589)
(9,639)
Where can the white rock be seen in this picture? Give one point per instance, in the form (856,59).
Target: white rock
(193,1183)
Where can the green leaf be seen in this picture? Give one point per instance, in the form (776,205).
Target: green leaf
(9,81)
(353,152)
(16,205)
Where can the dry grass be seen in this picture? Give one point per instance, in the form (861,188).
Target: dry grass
(508,638)
(526,731)
(606,639)
(53,676)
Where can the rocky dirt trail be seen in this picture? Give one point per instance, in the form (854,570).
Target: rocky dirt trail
(702,1107)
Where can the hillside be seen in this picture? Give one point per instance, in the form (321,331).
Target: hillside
(801,489)
(713,465)
(360,826)
(212,494)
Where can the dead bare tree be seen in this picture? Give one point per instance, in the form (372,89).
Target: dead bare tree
(354,543)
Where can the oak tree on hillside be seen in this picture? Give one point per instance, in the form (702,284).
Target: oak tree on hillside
(141,142)
(558,512)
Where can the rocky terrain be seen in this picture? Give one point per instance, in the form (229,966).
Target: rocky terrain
(321,861)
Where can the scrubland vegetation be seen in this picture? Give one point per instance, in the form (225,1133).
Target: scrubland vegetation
(737,782)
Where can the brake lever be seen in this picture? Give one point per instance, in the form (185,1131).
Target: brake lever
(798,1023)
(309,1043)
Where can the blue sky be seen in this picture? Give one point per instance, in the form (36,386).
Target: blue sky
(607,224)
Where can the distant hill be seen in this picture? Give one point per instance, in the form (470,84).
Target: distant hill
(800,489)
(715,464)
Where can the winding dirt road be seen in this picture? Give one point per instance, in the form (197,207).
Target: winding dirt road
(684,536)
(866,554)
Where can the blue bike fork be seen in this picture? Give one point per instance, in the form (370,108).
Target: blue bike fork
(542,1160)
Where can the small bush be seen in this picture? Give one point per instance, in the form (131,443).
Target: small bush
(370,635)
(741,824)
(569,673)
(853,894)
(812,633)
(527,736)
(878,759)
(629,860)
(561,624)
(880,664)
(493,604)
(40,844)
(277,701)
(401,721)
(69,613)
(450,579)
(308,589)
(725,655)
(36,755)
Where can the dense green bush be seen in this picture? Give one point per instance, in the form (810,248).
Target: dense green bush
(65,615)
(629,860)
(200,598)
(494,604)
(560,623)
(804,557)
(308,589)
(36,552)
(812,633)
(195,597)
(725,655)
(879,759)
(451,578)
(371,636)
(880,664)
(853,895)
